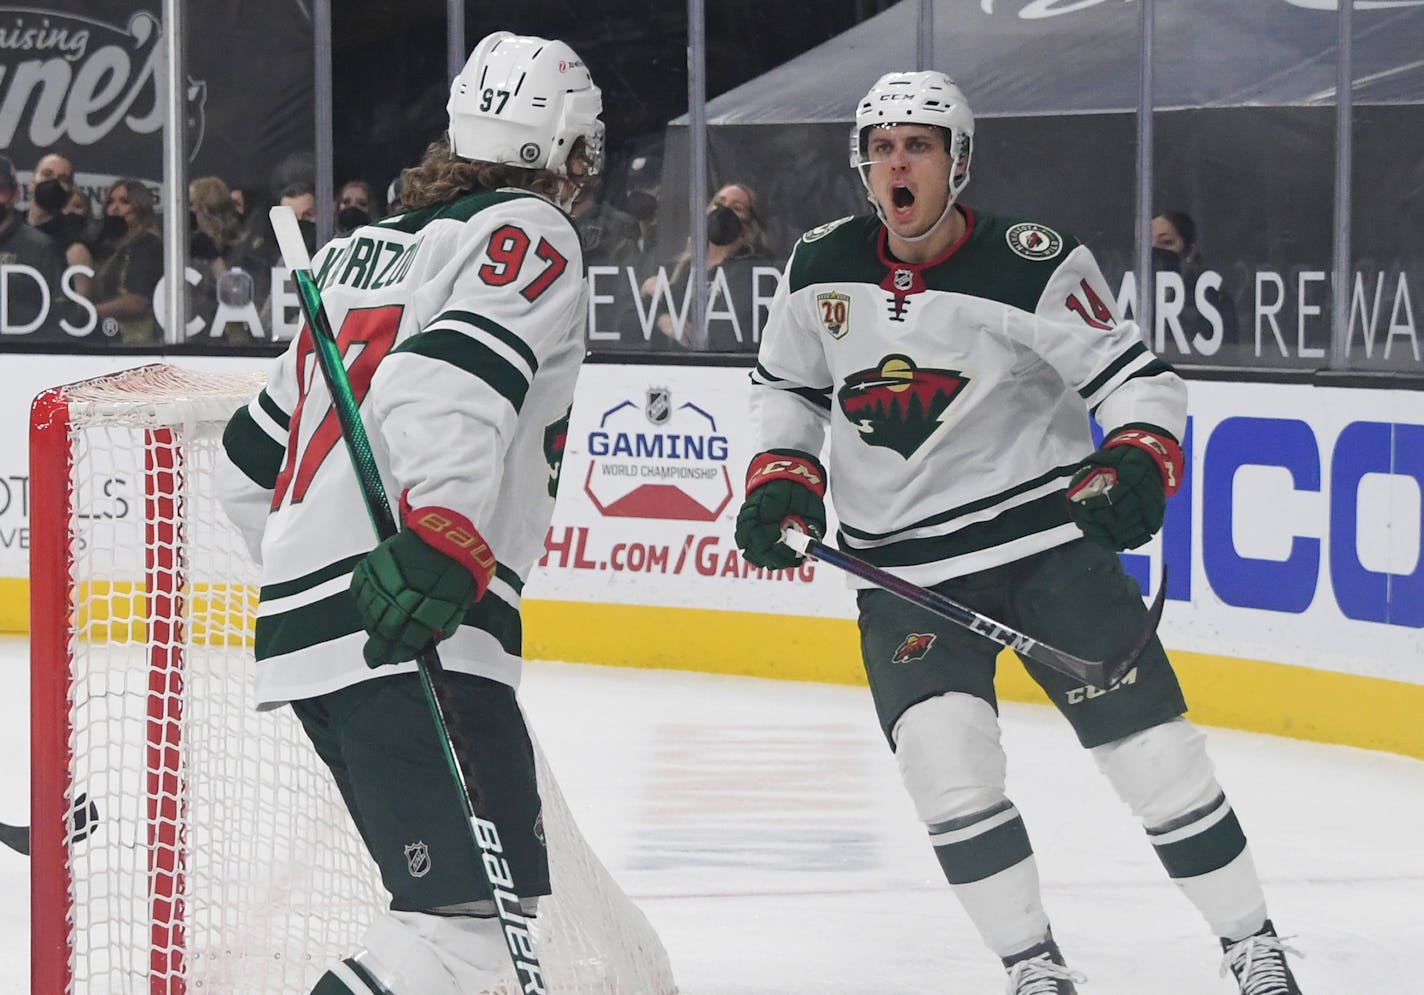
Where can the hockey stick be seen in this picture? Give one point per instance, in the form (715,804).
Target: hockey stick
(1101,674)
(83,820)
(17,838)
(483,833)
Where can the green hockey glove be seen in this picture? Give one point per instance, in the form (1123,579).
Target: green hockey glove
(785,488)
(1119,494)
(414,588)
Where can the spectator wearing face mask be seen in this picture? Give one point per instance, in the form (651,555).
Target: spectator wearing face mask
(736,243)
(51,189)
(30,297)
(1206,311)
(130,264)
(355,206)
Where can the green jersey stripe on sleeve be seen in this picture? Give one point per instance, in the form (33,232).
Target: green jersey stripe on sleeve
(283,420)
(473,357)
(1113,369)
(252,450)
(494,328)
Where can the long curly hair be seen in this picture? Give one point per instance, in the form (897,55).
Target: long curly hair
(441,176)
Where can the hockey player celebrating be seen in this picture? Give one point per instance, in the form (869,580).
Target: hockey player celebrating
(954,356)
(462,323)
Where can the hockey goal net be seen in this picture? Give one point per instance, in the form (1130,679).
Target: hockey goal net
(181,840)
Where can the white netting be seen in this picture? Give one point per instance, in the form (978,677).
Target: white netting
(200,799)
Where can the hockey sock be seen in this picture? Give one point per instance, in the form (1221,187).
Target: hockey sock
(349,978)
(988,860)
(1205,854)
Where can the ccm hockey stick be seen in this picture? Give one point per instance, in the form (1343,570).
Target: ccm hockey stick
(1099,673)
(483,833)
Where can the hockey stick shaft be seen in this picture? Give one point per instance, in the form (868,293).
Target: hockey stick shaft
(1099,673)
(17,838)
(483,833)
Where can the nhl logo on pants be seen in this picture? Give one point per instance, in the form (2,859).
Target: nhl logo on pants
(417,859)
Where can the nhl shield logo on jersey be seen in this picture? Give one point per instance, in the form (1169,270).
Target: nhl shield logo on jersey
(1034,241)
(915,646)
(834,307)
(417,859)
(658,406)
(897,404)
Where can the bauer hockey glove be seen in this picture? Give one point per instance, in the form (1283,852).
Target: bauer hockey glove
(785,487)
(1118,495)
(414,588)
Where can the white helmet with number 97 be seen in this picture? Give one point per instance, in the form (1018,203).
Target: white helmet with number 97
(525,101)
(928,98)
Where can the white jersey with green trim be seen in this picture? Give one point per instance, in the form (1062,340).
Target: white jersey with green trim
(956,394)
(462,329)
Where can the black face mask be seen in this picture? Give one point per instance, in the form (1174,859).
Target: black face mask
(641,204)
(113,228)
(1165,259)
(50,196)
(308,230)
(723,226)
(351,217)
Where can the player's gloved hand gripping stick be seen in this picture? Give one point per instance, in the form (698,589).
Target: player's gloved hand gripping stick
(483,833)
(1099,673)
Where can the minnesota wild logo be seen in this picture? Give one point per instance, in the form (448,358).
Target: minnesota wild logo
(555,437)
(898,405)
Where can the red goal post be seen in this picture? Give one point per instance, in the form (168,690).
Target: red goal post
(181,840)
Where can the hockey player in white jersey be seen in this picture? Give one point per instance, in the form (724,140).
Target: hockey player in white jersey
(461,322)
(954,357)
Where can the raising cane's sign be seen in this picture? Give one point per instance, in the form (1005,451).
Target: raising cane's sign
(88,79)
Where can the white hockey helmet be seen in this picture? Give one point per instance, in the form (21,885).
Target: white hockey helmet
(930,98)
(524,101)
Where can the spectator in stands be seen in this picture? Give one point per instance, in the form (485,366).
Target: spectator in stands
(1175,248)
(21,245)
(610,237)
(356,206)
(130,264)
(736,242)
(301,198)
(214,232)
(393,196)
(242,200)
(215,223)
(51,190)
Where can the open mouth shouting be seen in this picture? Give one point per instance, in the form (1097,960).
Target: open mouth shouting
(902,203)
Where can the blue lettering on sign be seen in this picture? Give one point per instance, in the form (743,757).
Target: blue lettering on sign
(1247,582)
(1290,585)
(1368,595)
(666,445)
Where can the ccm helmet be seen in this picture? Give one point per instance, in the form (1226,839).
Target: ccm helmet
(524,101)
(929,98)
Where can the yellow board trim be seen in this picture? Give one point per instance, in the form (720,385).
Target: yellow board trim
(14,605)
(1283,700)
(1279,699)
